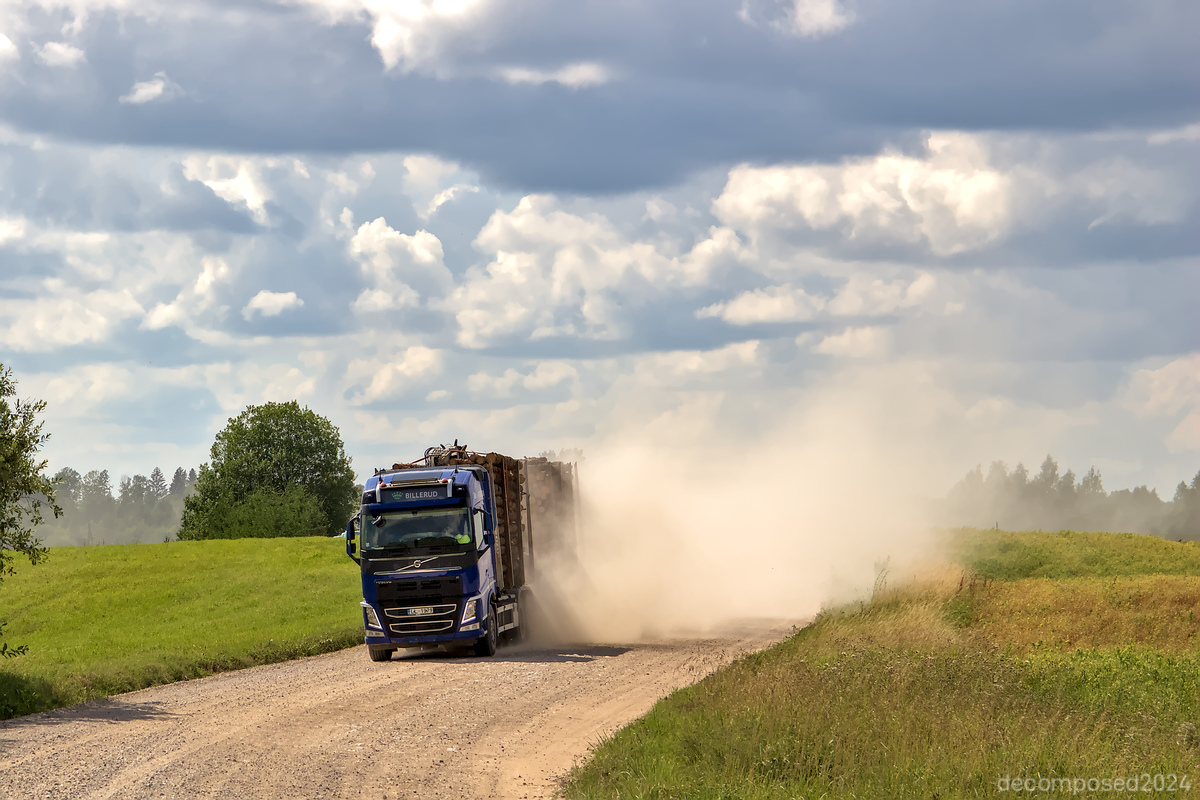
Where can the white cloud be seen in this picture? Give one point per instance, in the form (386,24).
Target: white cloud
(8,50)
(1127,191)
(546,375)
(1187,133)
(773,304)
(60,54)
(160,87)
(574,76)
(193,299)
(658,209)
(426,173)
(861,295)
(865,296)
(425,181)
(235,180)
(870,342)
(391,376)
(1166,392)
(271,304)
(409,34)
(815,18)
(560,274)
(445,196)
(11,229)
(399,268)
(678,363)
(953,199)
(63,316)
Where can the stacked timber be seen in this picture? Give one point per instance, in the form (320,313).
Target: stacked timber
(552,499)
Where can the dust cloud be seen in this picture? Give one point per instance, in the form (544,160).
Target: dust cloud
(689,527)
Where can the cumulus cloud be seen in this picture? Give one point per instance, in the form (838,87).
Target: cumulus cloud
(558,274)
(869,342)
(573,76)
(158,88)
(234,179)
(426,180)
(861,295)
(60,54)
(686,363)
(271,304)
(393,375)
(815,18)
(8,50)
(546,375)
(445,196)
(1186,133)
(399,268)
(64,317)
(196,298)
(774,304)
(952,199)
(1169,391)
(1127,191)
(11,229)
(866,296)
(408,35)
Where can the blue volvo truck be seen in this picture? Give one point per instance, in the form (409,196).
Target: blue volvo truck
(445,545)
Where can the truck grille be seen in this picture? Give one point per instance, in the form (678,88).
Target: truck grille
(426,626)
(412,620)
(414,591)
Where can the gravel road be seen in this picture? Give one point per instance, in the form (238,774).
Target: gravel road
(340,726)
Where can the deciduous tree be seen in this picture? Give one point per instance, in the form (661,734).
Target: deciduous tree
(24,490)
(271,448)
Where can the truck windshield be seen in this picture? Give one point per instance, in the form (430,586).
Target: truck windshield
(443,530)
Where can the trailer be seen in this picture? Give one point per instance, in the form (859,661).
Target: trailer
(446,546)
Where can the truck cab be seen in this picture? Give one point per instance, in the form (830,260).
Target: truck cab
(425,540)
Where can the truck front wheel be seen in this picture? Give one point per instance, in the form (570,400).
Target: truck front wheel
(486,646)
(380,653)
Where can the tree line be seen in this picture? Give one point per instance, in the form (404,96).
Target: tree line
(275,470)
(1047,500)
(142,509)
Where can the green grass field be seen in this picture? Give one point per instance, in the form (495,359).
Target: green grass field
(103,620)
(1042,655)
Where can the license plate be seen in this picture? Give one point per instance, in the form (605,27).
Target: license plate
(423,611)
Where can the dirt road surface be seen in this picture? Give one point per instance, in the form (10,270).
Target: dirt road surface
(340,726)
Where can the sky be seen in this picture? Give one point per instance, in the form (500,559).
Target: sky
(969,228)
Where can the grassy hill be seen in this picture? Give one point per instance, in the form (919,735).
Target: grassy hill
(1056,656)
(102,620)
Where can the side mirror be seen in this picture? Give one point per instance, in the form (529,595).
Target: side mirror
(350,546)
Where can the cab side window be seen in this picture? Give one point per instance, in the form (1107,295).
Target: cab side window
(477,524)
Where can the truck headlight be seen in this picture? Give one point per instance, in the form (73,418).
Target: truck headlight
(372,617)
(470,609)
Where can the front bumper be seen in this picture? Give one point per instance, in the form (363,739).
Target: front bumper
(411,625)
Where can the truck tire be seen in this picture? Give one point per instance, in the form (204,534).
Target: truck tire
(380,653)
(486,646)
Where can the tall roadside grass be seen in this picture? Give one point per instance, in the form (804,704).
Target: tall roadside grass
(945,688)
(103,620)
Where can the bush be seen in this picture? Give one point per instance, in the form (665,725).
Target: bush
(264,514)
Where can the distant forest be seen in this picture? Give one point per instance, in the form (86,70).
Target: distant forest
(1049,501)
(145,509)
